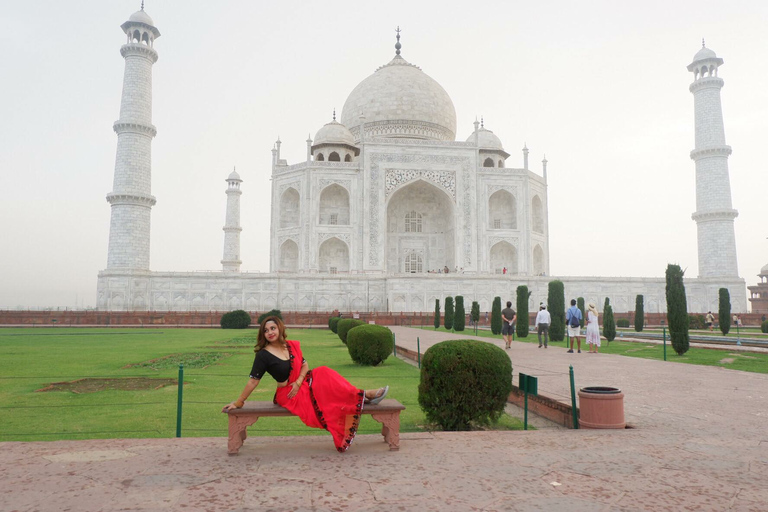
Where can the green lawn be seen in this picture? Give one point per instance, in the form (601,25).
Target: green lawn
(217,364)
(744,361)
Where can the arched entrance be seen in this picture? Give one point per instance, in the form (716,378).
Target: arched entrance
(420,225)
(333,256)
(504,255)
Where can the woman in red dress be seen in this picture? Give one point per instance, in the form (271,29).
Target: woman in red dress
(321,397)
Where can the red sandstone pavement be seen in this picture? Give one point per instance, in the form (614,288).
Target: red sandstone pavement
(700,442)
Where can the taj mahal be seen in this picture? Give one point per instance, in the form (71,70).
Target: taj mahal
(395,206)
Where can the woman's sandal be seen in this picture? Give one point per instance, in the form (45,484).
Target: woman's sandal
(379,398)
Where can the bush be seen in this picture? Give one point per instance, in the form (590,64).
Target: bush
(345,325)
(237,319)
(697,322)
(724,310)
(370,344)
(448,313)
(639,313)
(437,313)
(464,383)
(460,315)
(474,313)
(274,312)
(609,324)
(677,309)
(521,327)
(622,322)
(556,307)
(496,316)
(333,323)
(764,326)
(580,305)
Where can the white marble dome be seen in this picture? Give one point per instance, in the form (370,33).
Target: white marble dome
(764,270)
(234,176)
(141,17)
(486,139)
(334,133)
(400,100)
(703,54)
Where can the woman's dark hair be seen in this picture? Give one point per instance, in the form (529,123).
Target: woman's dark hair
(262,339)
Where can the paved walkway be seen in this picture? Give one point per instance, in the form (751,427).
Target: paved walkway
(700,442)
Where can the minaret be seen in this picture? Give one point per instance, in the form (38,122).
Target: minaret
(232,229)
(714,212)
(131,197)
(525,156)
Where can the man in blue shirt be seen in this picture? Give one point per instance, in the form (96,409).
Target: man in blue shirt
(573,321)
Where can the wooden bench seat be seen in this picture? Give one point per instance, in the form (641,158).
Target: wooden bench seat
(387,412)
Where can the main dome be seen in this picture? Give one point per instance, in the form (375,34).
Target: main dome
(399,100)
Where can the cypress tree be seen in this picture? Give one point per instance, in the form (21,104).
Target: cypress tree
(724,310)
(475,313)
(437,313)
(677,309)
(580,305)
(639,313)
(605,306)
(460,315)
(521,327)
(448,313)
(496,316)
(609,323)
(556,306)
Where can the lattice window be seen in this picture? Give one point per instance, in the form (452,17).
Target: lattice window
(334,270)
(413,222)
(413,264)
(496,223)
(334,219)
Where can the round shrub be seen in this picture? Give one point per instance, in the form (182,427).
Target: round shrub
(274,312)
(622,322)
(369,344)
(237,319)
(345,324)
(464,383)
(764,326)
(333,323)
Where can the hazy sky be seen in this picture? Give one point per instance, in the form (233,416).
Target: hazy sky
(601,87)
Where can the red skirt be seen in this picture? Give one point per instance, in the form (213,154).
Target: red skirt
(325,400)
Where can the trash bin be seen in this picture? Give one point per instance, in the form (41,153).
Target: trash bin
(601,407)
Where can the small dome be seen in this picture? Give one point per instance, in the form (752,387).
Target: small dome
(141,17)
(334,133)
(234,177)
(764,270)
(703,54)
(486,139)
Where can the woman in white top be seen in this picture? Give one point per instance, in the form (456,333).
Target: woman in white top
(593,329)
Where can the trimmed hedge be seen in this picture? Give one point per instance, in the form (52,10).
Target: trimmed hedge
(556,307)
(437,313)
(448,320)
(237,319)
(370,345)
(609,323)
(344,326)
(622,322)
(639,313)
(460,315)
(580,305)
(464,384)
(496,316)
(697,322)
(724,310)
(677,309)
(521,327)
(333,323)
(764,326)
(274,312)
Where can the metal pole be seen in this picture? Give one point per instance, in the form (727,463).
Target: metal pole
(418,350)
(664,330)
(738,335)
(394,344)
(573,400)
(178,405)
(525,423)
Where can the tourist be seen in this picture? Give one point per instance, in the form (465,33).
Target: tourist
(445,269)
(543,319)
(508,316)
(593,329)
(736,320)
(573,321)
(321,397)
(710,321)
(504,270)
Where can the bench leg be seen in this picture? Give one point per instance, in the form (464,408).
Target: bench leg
(390,428)
(237,431)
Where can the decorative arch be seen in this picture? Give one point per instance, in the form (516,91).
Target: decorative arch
(289,257)
(538,261)
(334,206)
(537,215)
(488,162)
(413,222)
(414,263)
(334,157)
(333,256)
(319,157)
(501,164)
(502,210)
(504,255)
(289,208)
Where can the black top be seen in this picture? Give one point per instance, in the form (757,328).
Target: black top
(266,361)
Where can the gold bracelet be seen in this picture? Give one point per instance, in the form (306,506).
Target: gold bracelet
(239,403)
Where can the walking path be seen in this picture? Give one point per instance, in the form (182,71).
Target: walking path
(699,442)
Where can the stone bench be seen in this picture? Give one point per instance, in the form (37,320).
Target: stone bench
(387,412)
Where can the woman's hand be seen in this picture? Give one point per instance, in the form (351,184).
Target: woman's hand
(294,389)
(229,407)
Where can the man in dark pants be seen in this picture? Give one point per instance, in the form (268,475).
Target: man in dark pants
(508,317)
